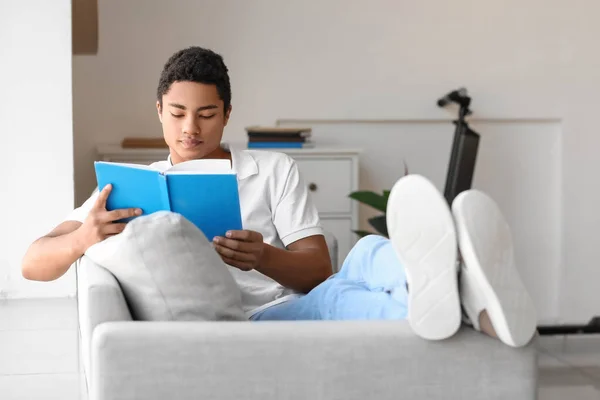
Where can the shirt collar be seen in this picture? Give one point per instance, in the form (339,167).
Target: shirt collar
(243,164)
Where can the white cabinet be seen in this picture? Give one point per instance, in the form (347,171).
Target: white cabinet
(330,181)
(341,228)
(331,174)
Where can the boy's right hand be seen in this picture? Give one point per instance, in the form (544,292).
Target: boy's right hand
(100,224)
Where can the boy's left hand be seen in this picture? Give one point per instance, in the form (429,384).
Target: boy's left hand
(241,249)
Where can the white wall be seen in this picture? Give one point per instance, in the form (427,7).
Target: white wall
(519,165)
(522,61)
(36,135)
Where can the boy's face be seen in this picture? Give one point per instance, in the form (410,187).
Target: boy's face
(193,120)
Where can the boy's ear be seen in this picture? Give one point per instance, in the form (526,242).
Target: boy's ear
(227,115)
(159,109)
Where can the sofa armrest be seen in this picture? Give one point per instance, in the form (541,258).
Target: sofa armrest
(303,360)
(99,300)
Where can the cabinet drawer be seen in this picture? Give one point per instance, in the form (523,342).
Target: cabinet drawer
(342,230)
(329,182)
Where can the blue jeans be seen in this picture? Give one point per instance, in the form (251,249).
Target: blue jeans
(370,285)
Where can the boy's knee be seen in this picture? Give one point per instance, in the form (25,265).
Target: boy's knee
(369,242)
(372,239)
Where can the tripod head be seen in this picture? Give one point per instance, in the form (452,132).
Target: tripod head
(459,97)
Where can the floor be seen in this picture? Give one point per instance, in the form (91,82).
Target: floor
(39,356)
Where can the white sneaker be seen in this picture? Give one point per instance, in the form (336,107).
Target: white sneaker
(489,279)
(422,232)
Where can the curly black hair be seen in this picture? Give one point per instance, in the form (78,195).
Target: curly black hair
(196,64)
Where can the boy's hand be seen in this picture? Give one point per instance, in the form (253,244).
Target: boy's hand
(99,223)
(240,249)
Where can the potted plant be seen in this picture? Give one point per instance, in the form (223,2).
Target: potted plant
(377,201)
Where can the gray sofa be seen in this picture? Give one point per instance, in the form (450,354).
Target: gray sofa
(125,359)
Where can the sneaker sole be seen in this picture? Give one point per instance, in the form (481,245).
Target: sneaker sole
(486,246)
(422,233)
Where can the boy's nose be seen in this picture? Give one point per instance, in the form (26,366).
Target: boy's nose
(190,128)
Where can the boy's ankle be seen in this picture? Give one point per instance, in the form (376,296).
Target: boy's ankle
(485,325)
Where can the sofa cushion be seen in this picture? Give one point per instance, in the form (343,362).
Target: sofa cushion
(168,271)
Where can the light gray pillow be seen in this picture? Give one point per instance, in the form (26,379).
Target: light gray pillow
(168,271)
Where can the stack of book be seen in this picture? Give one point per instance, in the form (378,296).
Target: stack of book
(263,137)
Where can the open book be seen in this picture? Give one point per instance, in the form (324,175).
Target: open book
(205,192)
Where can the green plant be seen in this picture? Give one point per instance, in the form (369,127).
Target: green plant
(377,201)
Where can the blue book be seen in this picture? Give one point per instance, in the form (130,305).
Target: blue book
(205,192)
(280,145)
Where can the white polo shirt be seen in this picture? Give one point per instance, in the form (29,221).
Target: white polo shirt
(274,201)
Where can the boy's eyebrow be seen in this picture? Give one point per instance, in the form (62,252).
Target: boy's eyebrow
(182,107)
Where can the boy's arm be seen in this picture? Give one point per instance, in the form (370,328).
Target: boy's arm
(304,265)
(49,257)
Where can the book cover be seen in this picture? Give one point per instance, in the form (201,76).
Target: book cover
(277,130)
(266,131)
(275,135)
(205,192)
(293,139)
(280,145)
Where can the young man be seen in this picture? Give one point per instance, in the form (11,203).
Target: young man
(281,255)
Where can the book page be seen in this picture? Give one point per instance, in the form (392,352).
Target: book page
(129,165)
(201,167)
